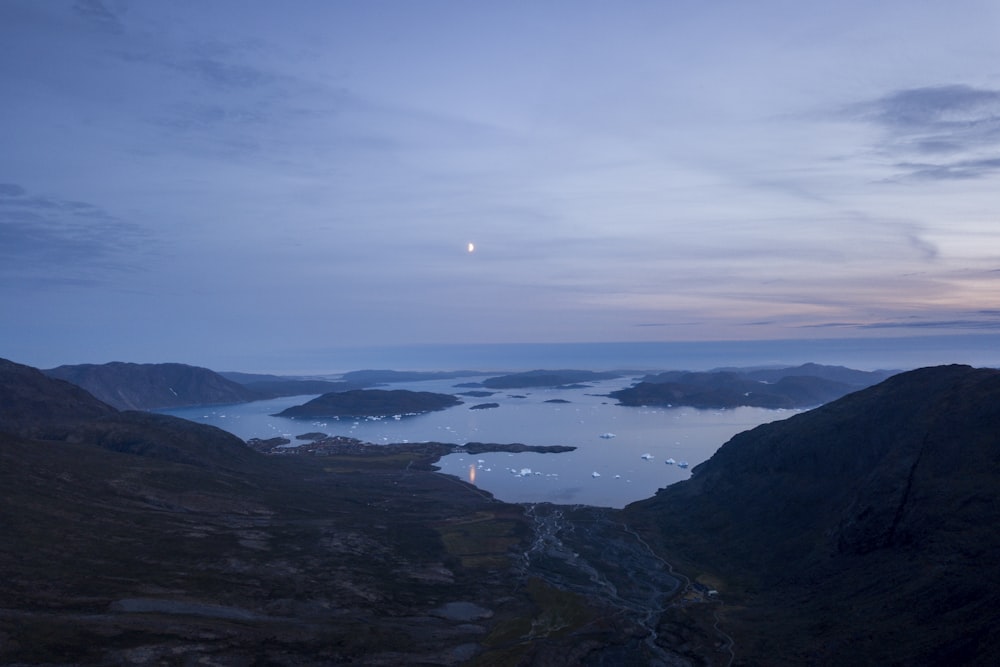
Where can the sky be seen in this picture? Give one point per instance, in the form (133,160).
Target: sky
(241,184)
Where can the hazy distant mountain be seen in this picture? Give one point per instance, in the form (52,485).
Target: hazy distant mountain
(545,378)
(273,386)
(372,403)
(801,386)
(861,532)
(849,376)
(371,377)
(151,386)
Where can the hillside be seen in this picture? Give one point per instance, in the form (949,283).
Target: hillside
(154,386)
(861,532)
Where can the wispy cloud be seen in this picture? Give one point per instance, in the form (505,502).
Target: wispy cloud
(953,130)
(56,240)
(97,14)
(963,320)
(957,170)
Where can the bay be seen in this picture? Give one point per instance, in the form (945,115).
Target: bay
(627,464)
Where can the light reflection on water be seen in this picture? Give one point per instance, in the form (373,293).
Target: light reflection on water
(624,472)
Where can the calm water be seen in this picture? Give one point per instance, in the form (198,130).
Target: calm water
(630,466)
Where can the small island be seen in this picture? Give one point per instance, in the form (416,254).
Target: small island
(372,403)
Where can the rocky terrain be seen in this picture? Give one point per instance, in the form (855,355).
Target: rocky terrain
(372,403)
(153,386)
(808,385)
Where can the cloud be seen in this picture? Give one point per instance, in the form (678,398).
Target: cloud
(934,324)
(97,14)
(969,320)
(957,170)
(11,190)
(46,239)
(952,130)
(938,108)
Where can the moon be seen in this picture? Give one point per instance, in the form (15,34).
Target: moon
(472,246)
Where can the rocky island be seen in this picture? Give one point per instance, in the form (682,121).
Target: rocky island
(372,403)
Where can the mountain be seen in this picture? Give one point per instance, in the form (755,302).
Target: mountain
(860,532)
(372,403)
(154,386)
(796,387)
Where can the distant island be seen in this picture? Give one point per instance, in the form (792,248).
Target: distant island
(803,386)
(372,403)
(545,378)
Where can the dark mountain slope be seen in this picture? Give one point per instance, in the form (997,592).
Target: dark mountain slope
(152,386)
(28,399)
(862,532)
(35,406)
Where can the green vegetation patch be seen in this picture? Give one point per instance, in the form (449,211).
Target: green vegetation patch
(481,540)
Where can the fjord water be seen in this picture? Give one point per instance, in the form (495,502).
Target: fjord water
(629,466)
